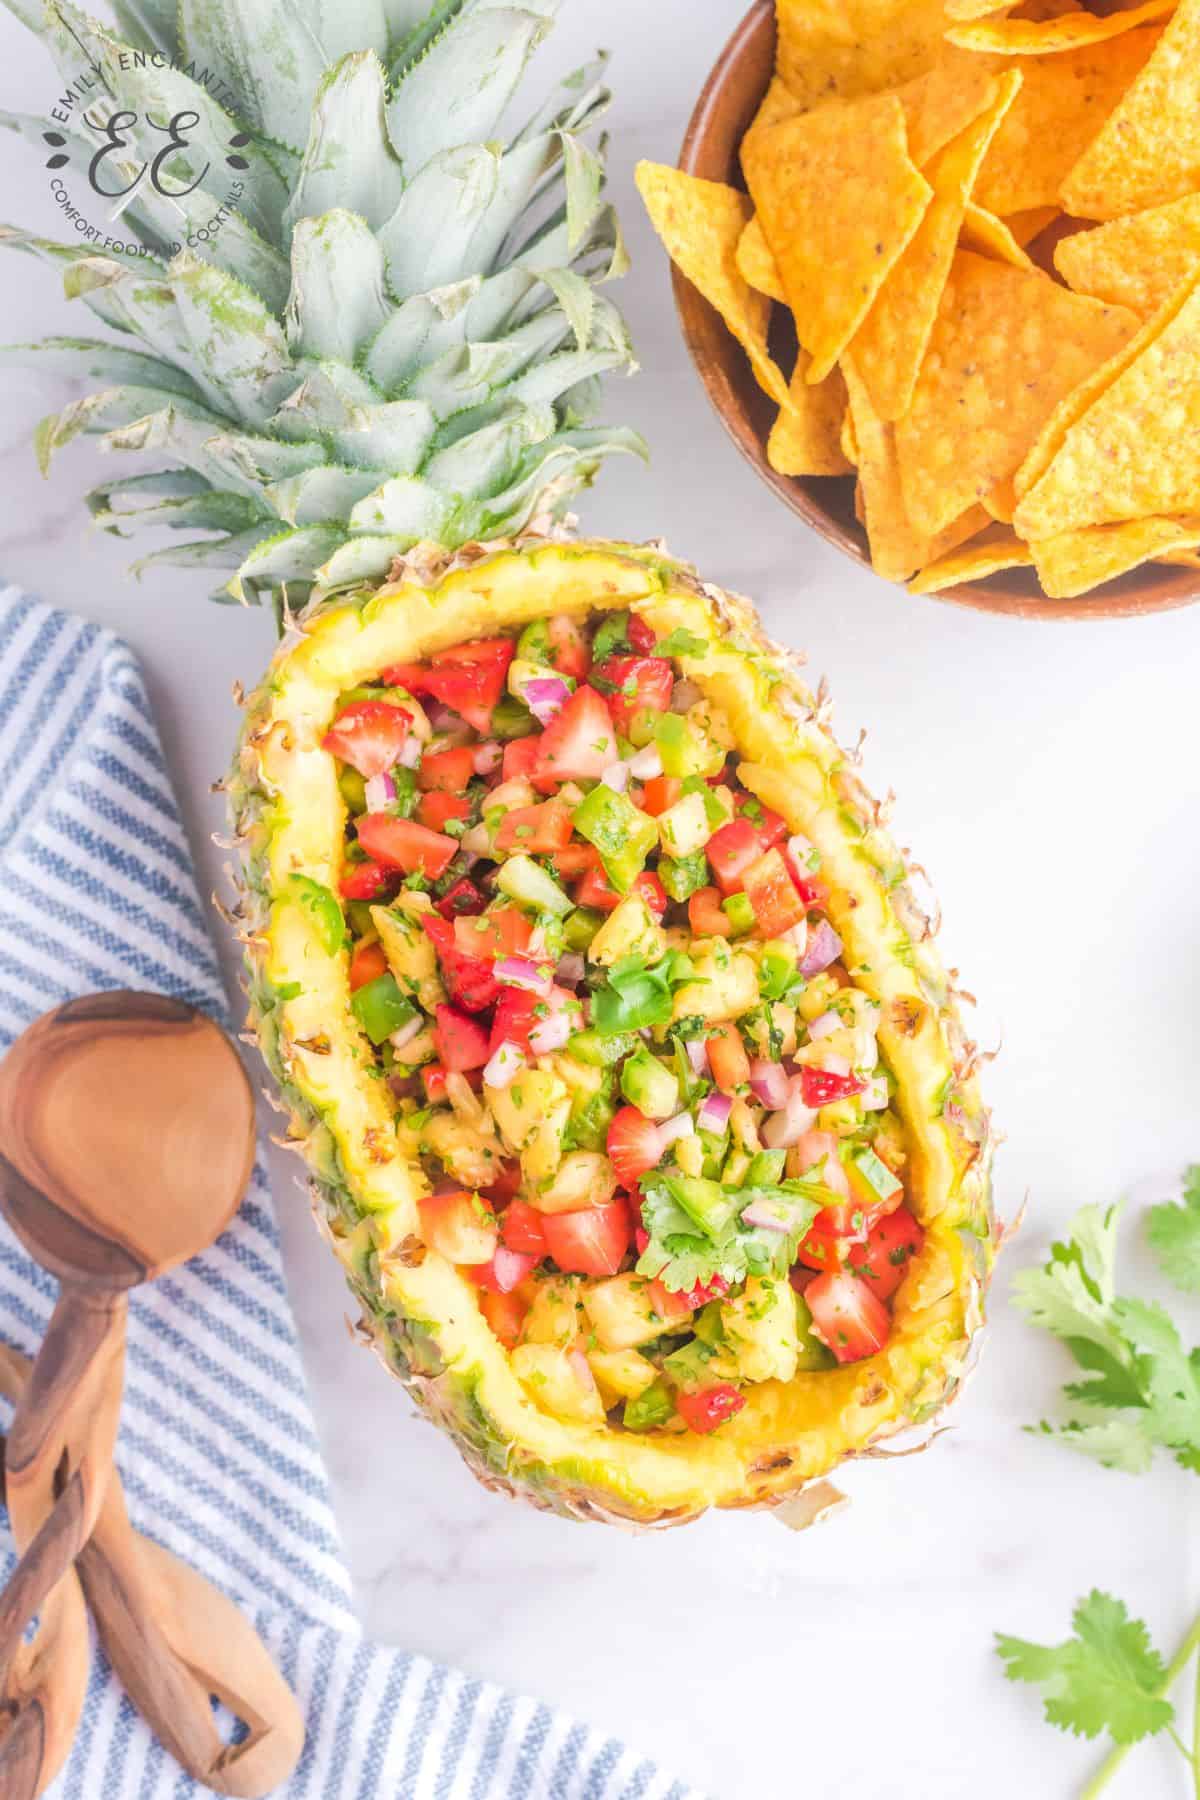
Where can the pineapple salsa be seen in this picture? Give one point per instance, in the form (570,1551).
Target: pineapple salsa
(601,986)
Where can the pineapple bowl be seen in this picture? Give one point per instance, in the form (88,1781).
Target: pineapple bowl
(635,1098)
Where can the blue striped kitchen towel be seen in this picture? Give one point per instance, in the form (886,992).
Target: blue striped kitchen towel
(217,1450)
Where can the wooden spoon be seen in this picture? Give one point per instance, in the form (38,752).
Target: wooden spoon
(126,1141)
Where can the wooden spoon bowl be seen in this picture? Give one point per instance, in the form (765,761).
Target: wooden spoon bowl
(730,98)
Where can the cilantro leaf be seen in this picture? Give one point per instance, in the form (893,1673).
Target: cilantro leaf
(1174,1232)
(681,642)
(1106,1678)
(1073,1294)
(635,995)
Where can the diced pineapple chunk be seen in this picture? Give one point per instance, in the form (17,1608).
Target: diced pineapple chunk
(623,1311)
(689,1154)
(470,1153)
(409,951)
(584,1079)
(621,1374)
(726,984)
(584,1178)
(555,1314)
(760,1326)
(631,929)
(816,997)
(683,828)
(559,1381)
(521,1107)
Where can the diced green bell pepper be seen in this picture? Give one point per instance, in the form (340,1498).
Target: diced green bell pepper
(647,1084)
(707,1202)
(622,834)
(526,882)
(512,719)
(599,1052)
(581,926)
(354,789)
(766,1168)
(381,1008)
(739,912)
(683,876)
(653,1407)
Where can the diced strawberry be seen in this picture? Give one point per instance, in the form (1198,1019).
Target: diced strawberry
(592,1241)
(469,678)
(501,932)
(369,735)
(367,880)
(461,1041)
(882,1262)
(522,762)
(641,687)
(731,849)
(770,827)
(704,1291)
(448,771)
(505,1184)
(535,830)
(706,916)
(470,979)
(652,891)
(848,1317)
(597,891)
(633,1145)
(521,1229)
(515,1017)
(579,744)
(507,1269)
(406,845)
(570,651)
(709,1407)
(464,897)
(773,895)
(505,1313)
(640,636)
(820,1087)
(435,810)
(406,675)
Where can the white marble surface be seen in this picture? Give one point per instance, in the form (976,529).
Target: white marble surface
(1049,778)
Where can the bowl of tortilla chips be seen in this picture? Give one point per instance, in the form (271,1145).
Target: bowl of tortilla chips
(938,265)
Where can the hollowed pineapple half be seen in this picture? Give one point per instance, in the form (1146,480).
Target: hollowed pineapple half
(423,1313)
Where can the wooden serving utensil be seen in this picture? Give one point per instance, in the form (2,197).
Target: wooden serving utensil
(126,1141)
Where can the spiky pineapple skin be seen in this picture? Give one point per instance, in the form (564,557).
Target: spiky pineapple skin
(597,1488)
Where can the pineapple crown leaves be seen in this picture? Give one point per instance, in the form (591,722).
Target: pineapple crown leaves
(395,334)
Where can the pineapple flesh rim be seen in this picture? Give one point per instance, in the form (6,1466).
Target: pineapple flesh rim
(289,805)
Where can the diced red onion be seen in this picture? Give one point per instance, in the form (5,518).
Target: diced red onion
(551,1033)
(616,777)
(407,1033)
(697,1054)
(410,755)
(874,1097)
(825,1026)
(824,947)
(646,763)
(545,696)
(503,1065)
(379,789)
(488,757)
(769,1084)
(520,972)
(442,718)
(685,693)
(797,937)
(769,1215)
(510,1267)
(583,1370)
(571,968)
(680,1126)
(787,1127)
(799,849)
(714,1114)
(476,842)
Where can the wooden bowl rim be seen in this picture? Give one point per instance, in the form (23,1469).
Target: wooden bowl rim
(1128,596)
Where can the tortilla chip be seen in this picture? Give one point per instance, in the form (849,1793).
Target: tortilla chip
(777,103)
(1073,562)
(1007,345)
(806,438)
(701,224)
(1135,451)
(941,104)
(842,49)
(1025,226)
(1062,105)
(890,344)
(756,266)
(984,232)
(1136,262)
(839,199)
(997,549)
(1182,559)
(1148,150)
(1072,31)
(976,9)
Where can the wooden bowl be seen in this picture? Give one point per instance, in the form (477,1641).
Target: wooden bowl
(723,113)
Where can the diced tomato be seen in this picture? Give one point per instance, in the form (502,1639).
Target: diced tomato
(591,1242)
(848,1317)
(824,1247)
(433,1079)
(811,891)
(770,828)
(469,678)
(709,1407)
(882,1262)
(406,675)
(505,1313)
(819,1087)
(463,898)
(570,651)
(521,1229)
(727,1058)
(368,880)
(501,932)
(406,845)
(369,735)
(448,771)
(367,964)
(506,1270)
(672,1309)
(517,1012)
(459,1227)
(773,895)
(574,860)
(642,684)
(579,744)
(706,916)
(652,891)
(731,849)
(435,810)
(461,1041)
(633,1145)
(522,760)
(469,978)
(837,1227)
(660,792)
(536,830)
(597,891)
(640,635)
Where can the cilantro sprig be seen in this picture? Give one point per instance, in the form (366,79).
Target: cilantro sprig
(1174,1232)
(682,1253)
